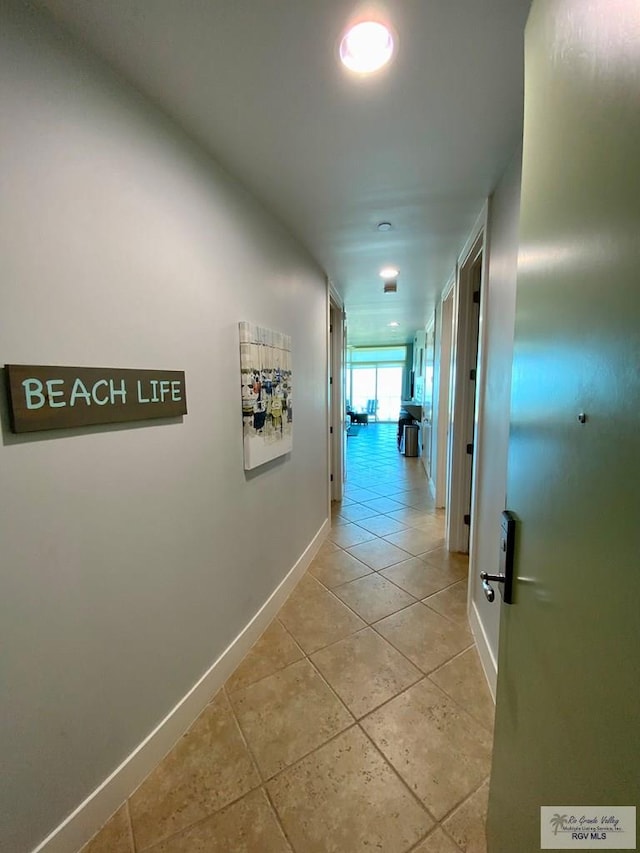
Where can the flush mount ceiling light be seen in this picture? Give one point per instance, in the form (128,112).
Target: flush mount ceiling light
(393,324)
(384,226)
(388,272)
(366,47)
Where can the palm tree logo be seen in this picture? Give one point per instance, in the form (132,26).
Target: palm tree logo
(557,821)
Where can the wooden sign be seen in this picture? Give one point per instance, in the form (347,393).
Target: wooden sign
(61,397)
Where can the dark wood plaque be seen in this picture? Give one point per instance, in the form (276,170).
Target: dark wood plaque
(44,397)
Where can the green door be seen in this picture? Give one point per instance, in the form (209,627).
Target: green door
(568,699)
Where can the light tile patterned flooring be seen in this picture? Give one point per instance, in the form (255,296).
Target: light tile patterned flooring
(360,720)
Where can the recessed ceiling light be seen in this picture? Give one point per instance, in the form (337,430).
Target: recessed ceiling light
(384,226)
(366,47)
(388,272)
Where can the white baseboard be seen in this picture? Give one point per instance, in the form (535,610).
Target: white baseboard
(487,659)
(94,812)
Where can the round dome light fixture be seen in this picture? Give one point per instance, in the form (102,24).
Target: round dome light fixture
(384,226)
(388,273)
(366,47)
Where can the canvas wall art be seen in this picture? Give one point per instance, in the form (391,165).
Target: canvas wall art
(267,401)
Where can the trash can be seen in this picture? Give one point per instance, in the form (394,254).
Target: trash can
(411,439)
(404,419)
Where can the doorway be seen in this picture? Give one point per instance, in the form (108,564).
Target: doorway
(441,407)
(464,391)
(336,396)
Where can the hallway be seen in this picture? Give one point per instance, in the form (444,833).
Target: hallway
(360,720)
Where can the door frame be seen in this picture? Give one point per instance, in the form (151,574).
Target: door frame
(441,393)
(461,478)
(336,335)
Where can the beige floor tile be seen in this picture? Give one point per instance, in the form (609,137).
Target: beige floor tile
(344,502)
(451,602)
(315,617)
(447,559)
(415,541)
(467,824)
(405,497)
(378,554)
(206,770)
(423,502)
(248,826)
(337,568)
(409,515)
(365,671)
(286,715)
(437,842)
(114,837)
(421,578)
(439,750)
(359,494)
(425,637)
(388,490)
(327,547)
(346,535)
(373,597)
(383,504)
(273,651)
(429,522)
(382,525)
(344,798)
(355,511)
(463,679)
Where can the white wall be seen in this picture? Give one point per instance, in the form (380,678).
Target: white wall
(131,556)
(498,314)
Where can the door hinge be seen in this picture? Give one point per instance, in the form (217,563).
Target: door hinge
(330,430)
(467,520)
(330,327)
(472,375)
(476,297)
(331,380)
(470,449)
(331,478)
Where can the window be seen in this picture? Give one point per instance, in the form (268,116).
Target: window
(375,380)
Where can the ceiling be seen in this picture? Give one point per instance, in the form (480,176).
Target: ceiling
(420,144)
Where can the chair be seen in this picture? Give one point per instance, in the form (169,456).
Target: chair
(372,408)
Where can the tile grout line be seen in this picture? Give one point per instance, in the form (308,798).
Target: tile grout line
(459,704)
(278,819)
(416,601)
(431,832)
(362,577)
(199,821)
(132,839)
(416,666)
(386,639)
(267,779)
(242,735)
(396,773)
(306,755)
(254,763)
(404,654)
(465,799)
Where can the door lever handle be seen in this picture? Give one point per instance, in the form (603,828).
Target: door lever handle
(486,586)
